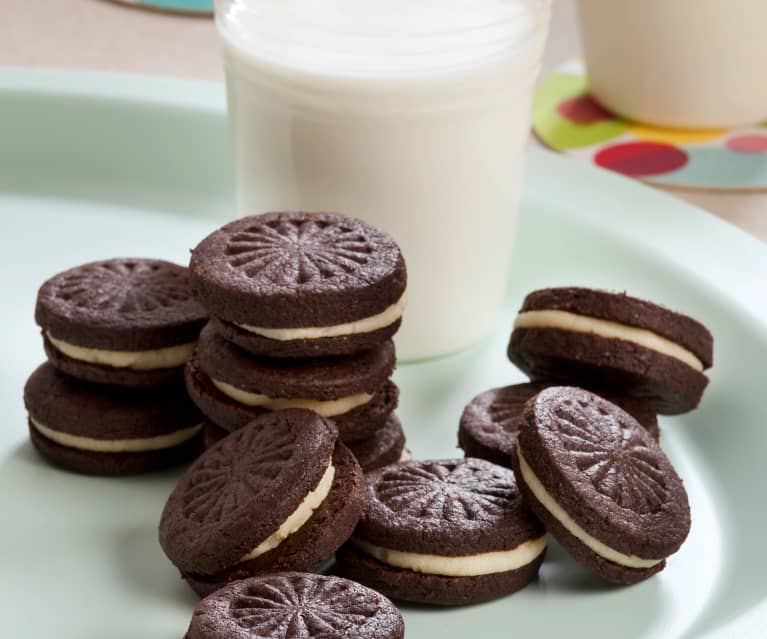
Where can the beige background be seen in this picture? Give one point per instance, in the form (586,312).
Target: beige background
(100,34)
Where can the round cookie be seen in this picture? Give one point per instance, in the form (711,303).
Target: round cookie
(212,434)
(600,483)
(232,387)
(447,532)
(298,605)
(95,430)
(130,322)
(610,341)
(280,494)
(294,284)
(386,446)
(490,421)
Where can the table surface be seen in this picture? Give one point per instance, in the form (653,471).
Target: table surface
(108,36)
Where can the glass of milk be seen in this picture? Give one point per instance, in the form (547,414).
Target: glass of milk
(410,114)
(678,63)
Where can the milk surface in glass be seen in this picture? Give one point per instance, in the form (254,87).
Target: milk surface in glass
(410,114)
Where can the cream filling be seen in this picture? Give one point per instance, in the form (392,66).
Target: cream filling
(365,325)
(299,517)
(556,511)
(611,330)
(467,566)
(328,408)
(405,456)
(169,357)
(138,445)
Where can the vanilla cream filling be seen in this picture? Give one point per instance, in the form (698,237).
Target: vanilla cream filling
(405,456)
(327,408)
(365,325)
(169,357)
(298,517)
(137,445)
(611,330)
(466,566)
(556,511)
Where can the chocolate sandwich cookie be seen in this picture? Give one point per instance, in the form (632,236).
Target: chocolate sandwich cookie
(611,341)
(212,434)
(100,430)
(490,421)
(386,446)
(296,605)
(446,532)
(232,387)
(301,285)
(280,494)
(601,484)
(130,322)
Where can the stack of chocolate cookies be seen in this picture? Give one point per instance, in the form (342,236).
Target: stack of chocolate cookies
(303,308)
(111,398)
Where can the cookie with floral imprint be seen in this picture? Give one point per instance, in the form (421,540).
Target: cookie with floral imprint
(490,422)
(123,321)
(601,484)
(294,284)
(295,605)
(282,493)
(444,532)
(386,446)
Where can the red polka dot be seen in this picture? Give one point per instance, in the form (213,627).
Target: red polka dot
(748,143)
(641,159)
(583,110)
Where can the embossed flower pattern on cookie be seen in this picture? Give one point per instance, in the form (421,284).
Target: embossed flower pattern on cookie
(618,458)
(447,490)
(232,473)
(303,607)
(131,287)
(301,251)
(504,412)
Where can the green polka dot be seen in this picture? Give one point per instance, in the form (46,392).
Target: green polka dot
(559,132)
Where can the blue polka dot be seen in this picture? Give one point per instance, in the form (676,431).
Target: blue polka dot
(197,6)
(719,168)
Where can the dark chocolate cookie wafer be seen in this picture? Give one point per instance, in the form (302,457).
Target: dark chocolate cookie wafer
(296,606)
(280,494)
(444,532)
(213,434)
(490,422)
(232,387)
(601,484)
(110,430)
(613,342)
(295,284)
(130,322)
(384,447)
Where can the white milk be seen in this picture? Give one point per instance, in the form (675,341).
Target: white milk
(411,114)
(678,63)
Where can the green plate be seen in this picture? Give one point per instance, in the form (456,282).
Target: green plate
(93,166)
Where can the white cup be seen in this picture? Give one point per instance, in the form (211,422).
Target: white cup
(678,63)
(411,114)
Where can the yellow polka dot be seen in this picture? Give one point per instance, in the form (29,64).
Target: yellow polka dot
(673,136)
